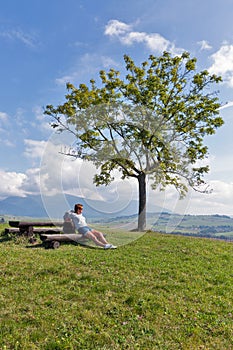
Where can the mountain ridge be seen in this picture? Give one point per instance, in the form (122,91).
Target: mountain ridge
(55,206)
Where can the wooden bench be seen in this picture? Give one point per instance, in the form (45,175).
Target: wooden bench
(28,228)
(52,234)
(54,240)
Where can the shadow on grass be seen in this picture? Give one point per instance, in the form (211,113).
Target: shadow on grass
(34,244)
(5,239)
(42,245)
(37,245)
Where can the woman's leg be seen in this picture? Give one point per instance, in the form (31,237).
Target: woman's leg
(99,236)
(93,237)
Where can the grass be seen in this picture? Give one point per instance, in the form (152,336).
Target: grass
(158,292)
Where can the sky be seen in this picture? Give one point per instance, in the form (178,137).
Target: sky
(45,44)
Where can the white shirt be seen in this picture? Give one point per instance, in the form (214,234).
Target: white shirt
(79,220)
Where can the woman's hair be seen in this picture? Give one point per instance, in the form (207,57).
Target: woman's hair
(78,206)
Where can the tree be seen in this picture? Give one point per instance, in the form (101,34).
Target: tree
(152,124)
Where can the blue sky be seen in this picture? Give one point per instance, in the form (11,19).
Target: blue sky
(45,44)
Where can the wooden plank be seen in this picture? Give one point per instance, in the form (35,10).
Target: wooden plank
(54,230)
(11,230)
(40,224)
(35,230)
(35,223)
(72,237)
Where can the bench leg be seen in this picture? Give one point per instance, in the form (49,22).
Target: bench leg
(51,244)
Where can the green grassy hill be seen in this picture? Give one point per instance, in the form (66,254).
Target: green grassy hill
(158,292)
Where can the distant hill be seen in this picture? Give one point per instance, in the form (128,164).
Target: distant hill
(208,226)
(55,206)
(158,219)
(23,206)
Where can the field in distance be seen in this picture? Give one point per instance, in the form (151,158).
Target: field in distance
(215,226)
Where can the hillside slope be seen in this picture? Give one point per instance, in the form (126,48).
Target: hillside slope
(159,292)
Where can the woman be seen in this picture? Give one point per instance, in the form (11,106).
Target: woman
(80,224)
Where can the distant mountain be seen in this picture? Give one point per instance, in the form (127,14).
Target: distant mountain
(23,206)
(55,206)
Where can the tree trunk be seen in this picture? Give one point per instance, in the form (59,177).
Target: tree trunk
(142,202)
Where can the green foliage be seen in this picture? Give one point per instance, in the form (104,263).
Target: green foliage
(159,292)
(150,124)
(153,121)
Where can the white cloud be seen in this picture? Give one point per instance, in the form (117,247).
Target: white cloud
(65,79)
(39,113)
(3,117)
(15,124)
(11,184)
(21,120)
(227,105)
(19,184)
(89,64)
(41,121)
(204,45)
(34,149)
(28,40)
(31,182)
(117,28)
(6,130)
(154,41)
(76,179)
(7,142)
(55,167)
(223,63)
(108,62)
(220,201)
(60,174)
(4,121)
